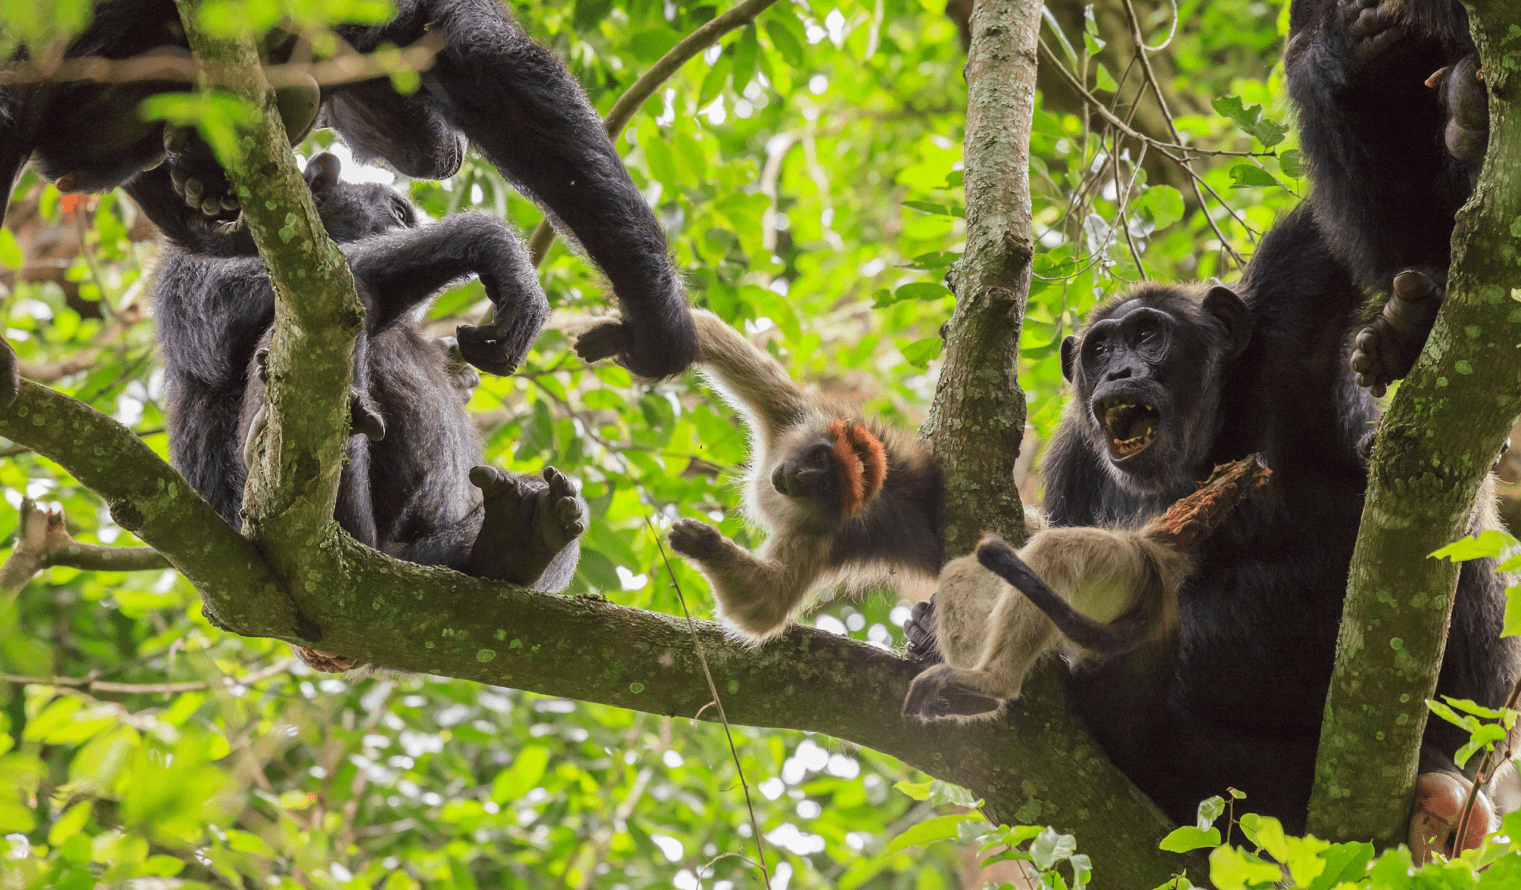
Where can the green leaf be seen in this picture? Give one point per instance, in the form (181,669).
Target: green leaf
(1248,176)
(1291,163)
(937,828)
(1051,847)
(1189,837)
(921,352)
(523,776)
(1234,869)
(1249,118)
(1162,204)
(785,42)
(1484,544)
(11,256)
(1344,863)
(1210,809)
(917,290)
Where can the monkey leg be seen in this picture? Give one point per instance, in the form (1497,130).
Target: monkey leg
(758,593)
(528,524)
(1386,349)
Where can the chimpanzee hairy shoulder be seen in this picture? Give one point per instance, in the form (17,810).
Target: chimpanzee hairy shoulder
(1165,388)
(1393,123)
(489,84)
(420,490)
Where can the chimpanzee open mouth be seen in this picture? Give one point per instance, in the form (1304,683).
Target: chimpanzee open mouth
(1129,426)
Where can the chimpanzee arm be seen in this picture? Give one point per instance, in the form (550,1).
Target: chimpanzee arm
(1386,186)
(400,269)
(526,114)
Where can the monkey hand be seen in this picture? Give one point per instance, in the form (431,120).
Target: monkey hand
(1439,802)
(648,350)
(920,631)
(696,540)
(1386,349)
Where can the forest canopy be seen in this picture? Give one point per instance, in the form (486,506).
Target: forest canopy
(808,168)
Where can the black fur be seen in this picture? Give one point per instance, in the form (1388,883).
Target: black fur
(490,85)
(417,492)
(1393,125)
(1239,703)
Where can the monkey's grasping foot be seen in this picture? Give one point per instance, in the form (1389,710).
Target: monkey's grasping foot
(940,693)
(527,523)
(1387,348)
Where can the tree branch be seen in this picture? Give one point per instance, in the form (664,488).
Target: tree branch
(43,540)
(293,482)
(1436,444)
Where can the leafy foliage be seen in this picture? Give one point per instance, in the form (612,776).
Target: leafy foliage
(807,170)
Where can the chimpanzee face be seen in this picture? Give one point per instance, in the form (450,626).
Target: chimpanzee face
(1148,370)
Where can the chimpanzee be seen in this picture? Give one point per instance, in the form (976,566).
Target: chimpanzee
(1167,386)
(1393,122)
(489,83)
(409,486)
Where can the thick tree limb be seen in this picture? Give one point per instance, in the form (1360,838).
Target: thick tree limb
(293,482)
(1432,451)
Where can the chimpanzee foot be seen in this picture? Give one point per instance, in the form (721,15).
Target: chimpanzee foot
(196,175)
(528,522)
(1387,348)
(1439,799)
(920,631)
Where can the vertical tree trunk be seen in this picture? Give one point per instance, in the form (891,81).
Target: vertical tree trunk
(1440,437)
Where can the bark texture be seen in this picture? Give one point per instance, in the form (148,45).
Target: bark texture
(1440,437)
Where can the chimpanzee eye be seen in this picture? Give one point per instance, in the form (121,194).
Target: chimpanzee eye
(1146,335)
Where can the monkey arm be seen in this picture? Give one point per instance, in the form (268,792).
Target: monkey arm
(402,268)
(749,377)
(757,592)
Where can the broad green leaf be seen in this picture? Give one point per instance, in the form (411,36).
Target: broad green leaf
(1189,837)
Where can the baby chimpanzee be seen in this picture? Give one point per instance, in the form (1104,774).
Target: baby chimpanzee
(414,483)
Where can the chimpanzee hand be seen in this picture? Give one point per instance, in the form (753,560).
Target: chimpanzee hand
(920,630)
(499,347)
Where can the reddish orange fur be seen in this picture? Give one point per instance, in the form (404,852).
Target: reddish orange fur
(861,461)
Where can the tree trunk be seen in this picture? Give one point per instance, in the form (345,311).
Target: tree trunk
(1440,437)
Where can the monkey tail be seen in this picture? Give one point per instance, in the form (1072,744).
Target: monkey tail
(1111,638)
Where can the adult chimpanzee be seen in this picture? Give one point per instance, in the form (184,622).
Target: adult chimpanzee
(412,492)
(489,84)
(1393,124)
(1167,386)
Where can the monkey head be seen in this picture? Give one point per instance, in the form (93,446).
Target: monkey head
(1147,375)
(829,474)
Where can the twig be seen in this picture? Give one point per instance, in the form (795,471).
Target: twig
(643,88)
(92,685)
(1483,774)
(349,67)
(702,659)
(43,541)
(1151,77)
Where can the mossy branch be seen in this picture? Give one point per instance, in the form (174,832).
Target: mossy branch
(1439,439)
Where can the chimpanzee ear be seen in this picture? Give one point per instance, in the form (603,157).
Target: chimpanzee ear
(1228,311)
(1069,356)
(321,172)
